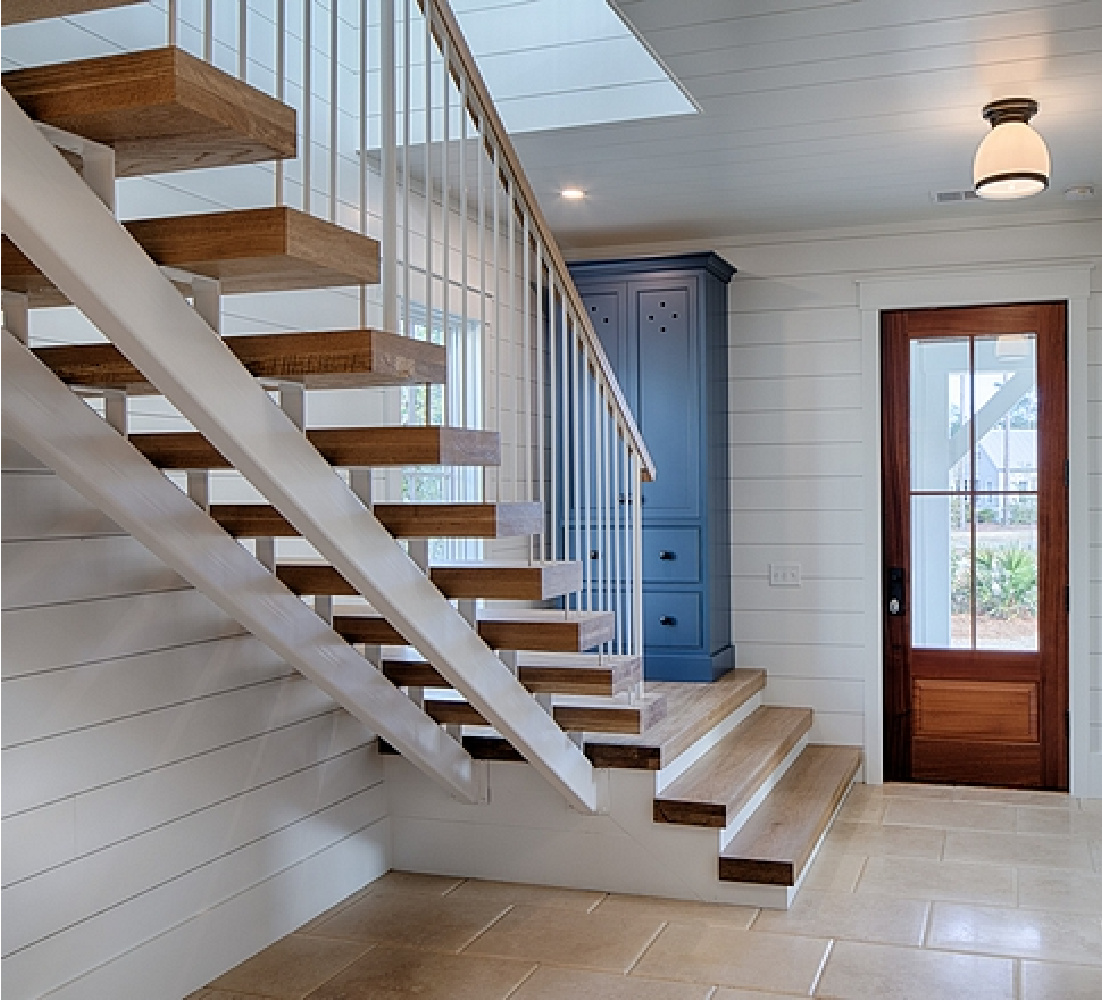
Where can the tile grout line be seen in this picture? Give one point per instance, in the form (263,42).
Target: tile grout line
(646,948)
(822,968)
(501,916)
(513,992)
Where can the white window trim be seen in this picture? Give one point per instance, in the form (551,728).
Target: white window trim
(967,287)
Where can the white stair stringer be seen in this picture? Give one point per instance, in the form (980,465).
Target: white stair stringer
(60,225)
(59,429)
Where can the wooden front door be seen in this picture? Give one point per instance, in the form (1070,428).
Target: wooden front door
(976,545)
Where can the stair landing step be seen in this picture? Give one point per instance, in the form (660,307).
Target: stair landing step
(248,250)
(714,789)
(692,710)
(530,629)
(774,846)
(159,109)
(573,714)
(340,359)
(503,580)
(349,447)
(541,673)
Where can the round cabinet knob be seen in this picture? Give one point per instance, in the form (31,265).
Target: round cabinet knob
(668,620)
(667,555)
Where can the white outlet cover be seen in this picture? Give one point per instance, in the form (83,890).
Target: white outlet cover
(784,575)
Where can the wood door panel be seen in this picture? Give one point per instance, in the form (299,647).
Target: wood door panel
(976,710)
(967,762)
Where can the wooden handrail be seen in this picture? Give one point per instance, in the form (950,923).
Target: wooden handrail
(458,44)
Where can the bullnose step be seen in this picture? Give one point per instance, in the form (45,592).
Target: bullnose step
(247,250)
(22,11)
(349,447)
(159,109)
(714,789)
(341,359)
(775,844)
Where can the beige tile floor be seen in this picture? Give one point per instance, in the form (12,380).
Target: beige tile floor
(919,893)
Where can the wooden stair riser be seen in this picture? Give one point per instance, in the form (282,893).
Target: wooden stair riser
(348,447)
(343,359)
(159,109)
(717,787)
(491,581)
(247,250)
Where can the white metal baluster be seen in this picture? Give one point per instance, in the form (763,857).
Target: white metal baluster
(495,182)
(281,84)
(616,547)
(361,159)
(242,34)
(555,378)
(525,386)
(542,476)
(171,16)
(429,266)
(637,554)
(208,31)
(587,467)
(307,102)
(334,104)
(407,104)
(568,419)
(389,134)
(445,220)
(464,226)
(603,466)
(581,541)
(511,330)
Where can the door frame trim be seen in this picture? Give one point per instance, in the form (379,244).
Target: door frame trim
(974,286)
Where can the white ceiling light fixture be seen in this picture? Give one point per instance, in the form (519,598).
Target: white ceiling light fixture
(1013,160)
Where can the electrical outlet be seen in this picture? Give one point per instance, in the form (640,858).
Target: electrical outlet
(784,574)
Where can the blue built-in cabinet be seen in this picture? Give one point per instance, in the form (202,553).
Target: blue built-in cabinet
(663,324)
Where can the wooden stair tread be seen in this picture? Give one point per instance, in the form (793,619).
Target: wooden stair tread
(438,520)
(572,714)
(571,631)
(355,447)
(716,787)
(692,710)
(504,580)
(22,11)
(159,109)
(248,250)
(540,673)
(341,359)
(774,846)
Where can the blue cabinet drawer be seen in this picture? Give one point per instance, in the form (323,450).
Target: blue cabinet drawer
(671,619)
(671,555)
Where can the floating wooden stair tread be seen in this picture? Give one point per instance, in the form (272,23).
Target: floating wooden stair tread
(353,447)
(572,714)
(552,631)
(493,580)
(22,11)
(341,359)
(248,250)
(716,787)
(160,109)
(541,673)
(776,842)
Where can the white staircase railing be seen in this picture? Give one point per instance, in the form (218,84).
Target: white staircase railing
(60,224)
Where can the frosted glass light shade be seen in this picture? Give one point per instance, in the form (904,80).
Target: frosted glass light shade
(1012,162)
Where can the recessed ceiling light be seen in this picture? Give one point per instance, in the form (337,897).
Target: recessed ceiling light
(572,194)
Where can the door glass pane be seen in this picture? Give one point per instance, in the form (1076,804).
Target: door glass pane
(1006,572)
(941,409)
(1006,413)
(941,561)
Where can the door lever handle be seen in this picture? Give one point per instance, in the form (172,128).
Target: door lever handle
(897,591)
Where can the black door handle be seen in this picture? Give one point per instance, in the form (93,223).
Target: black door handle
(897,591)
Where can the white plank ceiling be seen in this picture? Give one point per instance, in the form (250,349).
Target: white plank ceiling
(826,112)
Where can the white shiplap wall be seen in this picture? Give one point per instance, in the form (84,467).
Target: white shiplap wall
(801,428)
(174,796)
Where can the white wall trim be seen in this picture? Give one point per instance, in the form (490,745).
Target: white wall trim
(980,286)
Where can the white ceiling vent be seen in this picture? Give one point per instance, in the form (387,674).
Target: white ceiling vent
(945,197)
